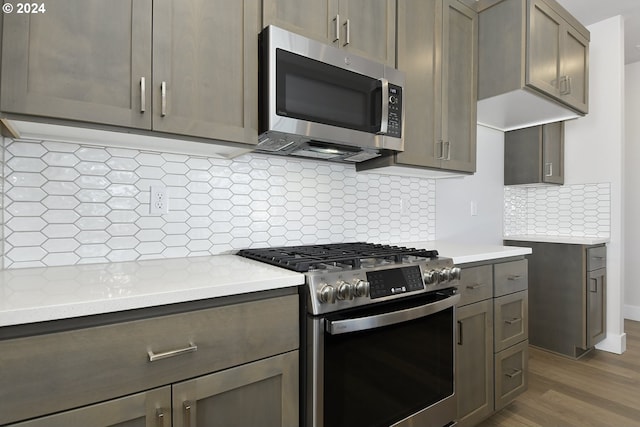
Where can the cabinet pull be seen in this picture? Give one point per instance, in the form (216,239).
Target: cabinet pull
(187,413)
(337,28)
(143,95)
(159,356)
(594,287)
(476,286)
(514,277)
(549,167)
(565,85)
(459,332)
(435,149)
(347,32)
(512,321)
(159,417)
(515,373)
(163,93)
(448,144)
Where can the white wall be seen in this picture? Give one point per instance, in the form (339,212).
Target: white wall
(631,193)
(594,154)
(454,196)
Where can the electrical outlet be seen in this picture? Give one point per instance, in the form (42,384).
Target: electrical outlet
(159,200)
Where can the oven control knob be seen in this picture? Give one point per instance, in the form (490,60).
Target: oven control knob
(456,273)
(361,288)
(430,277)
(444,275)
(327,294)
(345,290)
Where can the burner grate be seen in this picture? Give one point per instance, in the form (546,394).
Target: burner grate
(311,257)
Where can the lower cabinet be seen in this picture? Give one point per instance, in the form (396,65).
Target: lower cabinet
(492,338)
(231,364)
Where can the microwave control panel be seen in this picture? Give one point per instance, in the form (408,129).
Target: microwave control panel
(394,121)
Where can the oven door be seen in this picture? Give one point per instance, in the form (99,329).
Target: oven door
(388,366)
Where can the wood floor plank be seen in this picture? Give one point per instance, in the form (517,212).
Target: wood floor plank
(600,390)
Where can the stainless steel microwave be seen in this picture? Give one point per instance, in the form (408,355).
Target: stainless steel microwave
(323,102)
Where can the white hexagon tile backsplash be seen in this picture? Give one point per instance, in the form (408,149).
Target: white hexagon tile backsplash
(68,204)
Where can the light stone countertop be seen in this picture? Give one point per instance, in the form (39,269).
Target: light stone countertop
(51,293)
(559,239)
(463,253)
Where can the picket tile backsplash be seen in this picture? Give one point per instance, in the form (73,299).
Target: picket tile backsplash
(69,204)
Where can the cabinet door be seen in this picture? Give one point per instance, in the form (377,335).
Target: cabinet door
(596,301)
(205,55)
(543,41)
(82,60)
(511,325)
(459,83)
(417,23)
(368,28)
(511,370)
(474,362)
(263,393)
(148,409)
(553,153)
(315,19)
(574,66)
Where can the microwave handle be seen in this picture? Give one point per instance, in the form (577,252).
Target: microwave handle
(384,120)
(337,327)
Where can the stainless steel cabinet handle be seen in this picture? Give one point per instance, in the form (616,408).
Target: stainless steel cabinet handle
(476,286)
(163,93)
(459,332)
(512,321)
(384,120)
(337,28)
(594,287)
(569,85)
(441,156)
(173,353)
(565,85)
(187,413)
(143,95)
(514,277)
(515,373)
(159,417)
(448,144)
(347,34)
(549,167)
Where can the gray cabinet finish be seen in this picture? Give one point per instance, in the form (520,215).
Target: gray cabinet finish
(81,60)
(366,28)
(511,367)
(437,50)
(205,63)
(534,155)
(567,296)
(84,366)
(261,393)
(511,326)
(537,45)
(186,69)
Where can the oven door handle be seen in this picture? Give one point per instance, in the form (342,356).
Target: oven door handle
(336,327)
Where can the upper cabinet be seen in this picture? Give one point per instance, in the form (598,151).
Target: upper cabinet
(437,50)
(533,65)
(186,69)
(534,155)
(366,28)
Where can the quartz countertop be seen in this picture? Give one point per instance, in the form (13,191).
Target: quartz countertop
(51,293)
(463,253)
(559,239)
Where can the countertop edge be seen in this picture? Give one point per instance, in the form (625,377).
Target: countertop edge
(569,240)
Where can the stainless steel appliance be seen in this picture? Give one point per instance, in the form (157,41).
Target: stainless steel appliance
(322,102)
(377,334)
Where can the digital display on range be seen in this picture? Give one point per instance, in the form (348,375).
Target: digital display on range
(394,281)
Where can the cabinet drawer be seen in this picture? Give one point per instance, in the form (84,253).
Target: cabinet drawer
(510,277)
(476,284)
(73,368)
(511,324)
(596,258)
(511,367)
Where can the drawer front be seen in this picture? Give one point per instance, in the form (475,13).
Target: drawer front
(476,284)
(511,323)
(74,368)
(596,258)
(510,277)
(511,367)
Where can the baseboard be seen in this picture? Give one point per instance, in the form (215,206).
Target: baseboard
(613,343)
(632,312)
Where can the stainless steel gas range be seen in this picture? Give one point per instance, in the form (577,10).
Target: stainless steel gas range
(377,334)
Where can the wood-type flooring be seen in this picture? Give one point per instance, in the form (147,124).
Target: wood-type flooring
(601,390)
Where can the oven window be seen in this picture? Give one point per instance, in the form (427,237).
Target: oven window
(311,90)
(381,376)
